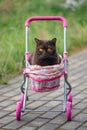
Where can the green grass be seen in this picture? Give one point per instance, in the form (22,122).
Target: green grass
(13,14)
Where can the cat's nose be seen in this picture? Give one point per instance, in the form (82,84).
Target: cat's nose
(44,53)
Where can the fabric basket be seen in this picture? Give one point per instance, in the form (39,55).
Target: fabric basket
(45,78)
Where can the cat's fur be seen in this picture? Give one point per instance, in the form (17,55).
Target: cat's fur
(45,53)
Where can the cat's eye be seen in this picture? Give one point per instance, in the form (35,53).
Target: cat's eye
(41,50)
(49,49)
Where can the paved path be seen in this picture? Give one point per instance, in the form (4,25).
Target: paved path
(10,94)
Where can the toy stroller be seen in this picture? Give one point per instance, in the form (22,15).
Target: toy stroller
(45,78)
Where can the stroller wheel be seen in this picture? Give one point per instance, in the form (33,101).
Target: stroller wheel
(22,99)
(18,110)
(70,97)
(68,111)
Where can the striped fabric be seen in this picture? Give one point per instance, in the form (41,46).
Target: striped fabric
(45,78)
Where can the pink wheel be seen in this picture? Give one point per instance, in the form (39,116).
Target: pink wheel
(70,97)
(22,99)
(68,111)
(18,110)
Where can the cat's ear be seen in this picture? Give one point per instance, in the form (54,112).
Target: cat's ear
(37,41)
(53,41)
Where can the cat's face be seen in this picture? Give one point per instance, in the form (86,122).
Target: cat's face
(45,48)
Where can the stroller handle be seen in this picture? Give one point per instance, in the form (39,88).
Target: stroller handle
(40,18)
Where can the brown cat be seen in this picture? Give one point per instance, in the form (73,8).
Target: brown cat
(45,53)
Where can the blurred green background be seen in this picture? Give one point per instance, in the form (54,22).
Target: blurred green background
(13,14)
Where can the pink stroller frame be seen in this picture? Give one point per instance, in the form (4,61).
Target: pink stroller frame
(47,78)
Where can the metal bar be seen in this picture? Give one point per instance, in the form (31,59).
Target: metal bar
(44,100)
(27,34)
(65,96)
(25,95)
(65,65)
(65,40)
(27,110)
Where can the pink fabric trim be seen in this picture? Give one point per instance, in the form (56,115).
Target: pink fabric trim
(35,79)
(45,89)
(65,55)
(27,55)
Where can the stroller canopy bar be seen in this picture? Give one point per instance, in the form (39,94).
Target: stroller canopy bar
(40,18)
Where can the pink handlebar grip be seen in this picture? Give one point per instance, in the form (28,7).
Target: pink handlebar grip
(40,18)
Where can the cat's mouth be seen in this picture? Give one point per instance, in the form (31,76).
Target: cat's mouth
(46,58)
